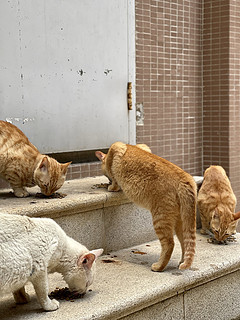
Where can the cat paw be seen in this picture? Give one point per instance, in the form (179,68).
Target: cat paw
(202,231)
(157,267)
(51,305)
(21,193)
(21,297)
(113,188)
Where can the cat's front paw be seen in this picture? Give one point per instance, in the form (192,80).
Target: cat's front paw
(21,193)
(157,267)
(51,305)
(113,187)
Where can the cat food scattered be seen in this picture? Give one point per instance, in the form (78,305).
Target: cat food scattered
(226,241)
(111,260)
(55,195)
(101,185)
(65,294)
(138,252)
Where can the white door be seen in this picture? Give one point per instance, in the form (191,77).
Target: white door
(64,69)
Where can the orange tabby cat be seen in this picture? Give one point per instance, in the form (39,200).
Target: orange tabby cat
(216,204)
(161,187)
(22,165)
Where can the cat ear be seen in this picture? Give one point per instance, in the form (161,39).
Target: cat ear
(44,164)
(236,215)
(100,155)
(87,259)
(97,252)
(64,167)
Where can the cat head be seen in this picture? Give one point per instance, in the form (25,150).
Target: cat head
(80,276)
(50,175)
(223,224)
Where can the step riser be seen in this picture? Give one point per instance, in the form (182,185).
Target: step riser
(111,228)
(199,303)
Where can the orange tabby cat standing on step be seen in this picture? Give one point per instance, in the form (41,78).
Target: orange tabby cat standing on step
(216,204)
(22,165)
(161,187)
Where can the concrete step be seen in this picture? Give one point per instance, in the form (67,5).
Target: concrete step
(125,288)
(89,213)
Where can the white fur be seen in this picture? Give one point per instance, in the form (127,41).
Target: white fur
(32,247)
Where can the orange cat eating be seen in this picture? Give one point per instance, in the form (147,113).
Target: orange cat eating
(22,165)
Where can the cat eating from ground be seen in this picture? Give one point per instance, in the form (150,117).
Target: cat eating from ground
(216,204)
(22,165)
(30,248)
(161,187)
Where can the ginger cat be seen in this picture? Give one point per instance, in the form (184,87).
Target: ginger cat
(216,204)
(33,247)
(161,187)
(22,165)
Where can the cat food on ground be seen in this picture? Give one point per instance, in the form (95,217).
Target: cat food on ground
(65,294)
(101,185)
(55,195)
(226,241)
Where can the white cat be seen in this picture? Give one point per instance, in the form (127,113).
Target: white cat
(32,247)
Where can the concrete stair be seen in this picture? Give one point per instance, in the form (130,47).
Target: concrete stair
(125,287)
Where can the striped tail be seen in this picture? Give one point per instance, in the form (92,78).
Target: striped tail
(188,199)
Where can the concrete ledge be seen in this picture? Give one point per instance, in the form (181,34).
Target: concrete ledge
(82,196)
(126,288)
(93,216)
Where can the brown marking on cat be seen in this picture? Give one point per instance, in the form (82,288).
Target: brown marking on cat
(216,204)
(161,187)
(22,165)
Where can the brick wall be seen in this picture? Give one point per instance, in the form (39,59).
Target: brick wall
(221,77)
(169,79)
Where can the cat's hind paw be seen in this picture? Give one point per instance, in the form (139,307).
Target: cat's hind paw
(21,297)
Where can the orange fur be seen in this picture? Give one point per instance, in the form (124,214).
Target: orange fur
(161,187)
(216,204)
(22,165)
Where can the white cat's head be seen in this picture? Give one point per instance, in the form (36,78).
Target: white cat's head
(80,276)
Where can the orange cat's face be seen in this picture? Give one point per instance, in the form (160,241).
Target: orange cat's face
(221,228)
(50,175)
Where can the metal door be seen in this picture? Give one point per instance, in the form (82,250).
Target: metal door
(64,69)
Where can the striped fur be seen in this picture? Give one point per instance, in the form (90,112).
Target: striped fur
(22,165)
(161,187)
(216,204)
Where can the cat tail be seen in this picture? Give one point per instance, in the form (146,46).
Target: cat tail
(188,199)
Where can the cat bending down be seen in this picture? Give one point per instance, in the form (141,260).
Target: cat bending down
(161,187)
(216,204)
(32,247)
(22,165)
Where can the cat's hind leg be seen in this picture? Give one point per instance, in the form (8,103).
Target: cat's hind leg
(164,229)
(179,234)
(20,296)
(40,284)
